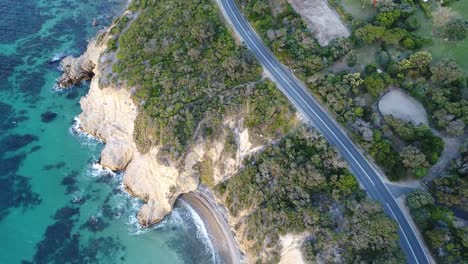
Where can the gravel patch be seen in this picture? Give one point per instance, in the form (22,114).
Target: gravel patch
(403,106)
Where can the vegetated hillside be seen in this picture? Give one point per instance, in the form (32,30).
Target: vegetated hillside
(302,185)
(185,66)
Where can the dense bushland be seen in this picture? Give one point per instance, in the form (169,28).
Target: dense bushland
(183,64)
(302,185)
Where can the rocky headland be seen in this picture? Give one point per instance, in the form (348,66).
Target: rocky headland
(109,113)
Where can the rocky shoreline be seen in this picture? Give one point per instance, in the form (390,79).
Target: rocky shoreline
(109,113)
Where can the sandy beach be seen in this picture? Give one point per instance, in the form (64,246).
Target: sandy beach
(214,219)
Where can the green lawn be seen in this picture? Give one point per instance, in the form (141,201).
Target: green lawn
(354,7)
(366,55)
(440,48)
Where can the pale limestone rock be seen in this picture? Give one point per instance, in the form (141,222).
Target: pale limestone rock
(108,113)
(159,185)
(117,154)
(153,212)
(291,252)
(76,70)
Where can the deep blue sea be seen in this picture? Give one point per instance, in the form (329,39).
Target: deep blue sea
(56,205)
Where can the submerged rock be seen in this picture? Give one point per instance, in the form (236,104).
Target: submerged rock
(48,116)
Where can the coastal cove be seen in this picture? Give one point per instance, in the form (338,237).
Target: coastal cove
(229,132)
(57,204)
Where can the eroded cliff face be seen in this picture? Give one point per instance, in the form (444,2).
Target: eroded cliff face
(83,68)
(109,113)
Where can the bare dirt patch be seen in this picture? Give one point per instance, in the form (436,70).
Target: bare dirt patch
(450,153)
(442,15)
(291,252)
(402,106)
(321,19)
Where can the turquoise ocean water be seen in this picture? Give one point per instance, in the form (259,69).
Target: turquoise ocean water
(56,205)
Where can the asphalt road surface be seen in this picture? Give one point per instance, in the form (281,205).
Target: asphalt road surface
(297,94)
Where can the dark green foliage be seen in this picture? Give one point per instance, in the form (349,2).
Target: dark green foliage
(294,187)
(336,91)
(391,26)
(448,2)
(447,242)
(412,23)
(382,150)
(351,59)
(387,19)
(376,83)
(112,44)
(141,4)
(416,65)
(184,64)
(418,135)
(291,41)
(426,8)
(269,112)
(452,189)
(370,34)
(384,59)
(443,97)
(119,25)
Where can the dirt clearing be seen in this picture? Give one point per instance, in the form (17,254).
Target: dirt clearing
(321,19)
(402,106)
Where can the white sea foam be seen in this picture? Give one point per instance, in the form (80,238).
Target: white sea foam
(77,197)
(178,218)
(97,170)
(202,232)
(85,138)
(133,224)
(57,57)
(56,88)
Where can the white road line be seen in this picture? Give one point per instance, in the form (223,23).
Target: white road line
(403,232)
(337,138)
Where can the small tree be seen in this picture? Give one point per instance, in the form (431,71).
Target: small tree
(456,128)
(418,199)
(414,161)
(455,30)
(375,84)
(446,71)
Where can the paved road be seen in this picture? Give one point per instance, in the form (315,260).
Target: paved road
(298,95)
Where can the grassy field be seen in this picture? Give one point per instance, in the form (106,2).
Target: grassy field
(441,48)
(355,8)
